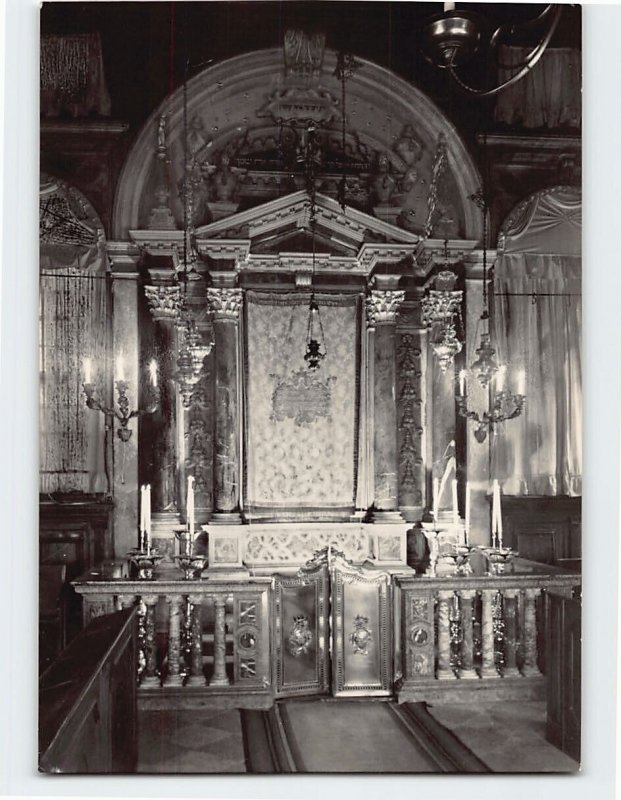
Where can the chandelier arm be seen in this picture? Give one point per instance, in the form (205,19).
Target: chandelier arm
(512,28)
(528,64)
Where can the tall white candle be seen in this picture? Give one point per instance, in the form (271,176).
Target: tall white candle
(449,6)
(436,500)
(120,368)
(462,382)
(142,516)
(454,498)
(521,382)
(494,511)
(153,372)
(87,370)
(499,518)
(148,517)
(500,378)
(190,506)
(467,514)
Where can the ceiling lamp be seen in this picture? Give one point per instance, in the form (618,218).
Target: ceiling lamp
(452,38)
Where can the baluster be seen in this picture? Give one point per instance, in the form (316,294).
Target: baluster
(150,677)
(468,671)
(444,636)
(511,637)
(197,677)
(219,677)
(488,663)
(530,667)
(173,678)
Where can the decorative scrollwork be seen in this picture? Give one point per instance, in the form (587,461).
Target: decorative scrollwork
(361,636)
(300,637)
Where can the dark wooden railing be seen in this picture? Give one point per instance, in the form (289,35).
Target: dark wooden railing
(87,701)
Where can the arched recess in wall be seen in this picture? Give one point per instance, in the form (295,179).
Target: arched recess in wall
(73,326)
(235,111)
(537,314)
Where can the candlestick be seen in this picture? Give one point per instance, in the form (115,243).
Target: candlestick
(499,518)
(436,500)
(454,497)
(494,511)
(153,373)
(467,514)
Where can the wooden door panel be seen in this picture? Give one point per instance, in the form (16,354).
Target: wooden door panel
(301,633)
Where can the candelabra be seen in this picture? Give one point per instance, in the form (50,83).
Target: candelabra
(145,562)
(505,406)
(122,412)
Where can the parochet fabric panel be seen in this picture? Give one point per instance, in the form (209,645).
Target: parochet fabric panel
(301,424)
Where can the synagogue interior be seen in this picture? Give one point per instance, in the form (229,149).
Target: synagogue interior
(310,387)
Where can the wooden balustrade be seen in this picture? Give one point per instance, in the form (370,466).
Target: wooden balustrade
(453,634)
(230,619)
(459,629)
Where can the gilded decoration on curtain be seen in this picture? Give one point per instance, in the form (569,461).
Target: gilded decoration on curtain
(301,397)
(301,428)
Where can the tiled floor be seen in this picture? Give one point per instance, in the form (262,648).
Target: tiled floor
(184,741)
(507,737)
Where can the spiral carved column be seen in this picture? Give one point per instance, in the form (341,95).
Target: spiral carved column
(197,677)
(173,678)
(511,643)
(468,671)
(219,677)
(488,663)
(444,635)
(530,667)
(150,677)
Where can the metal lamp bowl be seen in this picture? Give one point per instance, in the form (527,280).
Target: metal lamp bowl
(451,38)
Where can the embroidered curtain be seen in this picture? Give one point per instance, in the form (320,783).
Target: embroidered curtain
(540,452)
(300,423)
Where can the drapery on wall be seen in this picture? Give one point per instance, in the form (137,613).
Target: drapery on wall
(73,312)
(549,96)
(300,423)
(540,452)
(72,76)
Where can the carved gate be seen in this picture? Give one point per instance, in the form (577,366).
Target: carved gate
(333,629)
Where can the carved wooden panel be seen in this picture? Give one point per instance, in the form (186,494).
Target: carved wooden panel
(361,631)
(301,606)
(418,635)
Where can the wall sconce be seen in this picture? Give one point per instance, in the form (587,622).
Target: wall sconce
(122,411)
(504,404)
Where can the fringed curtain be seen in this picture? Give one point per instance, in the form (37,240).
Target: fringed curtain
(73,326)
(549,96)
(301,424)
(537,313)
(72,76)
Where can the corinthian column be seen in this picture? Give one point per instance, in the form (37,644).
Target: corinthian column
(225,303)
(382,308)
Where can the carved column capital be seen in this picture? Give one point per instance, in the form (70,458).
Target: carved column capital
(224,302)
(163,302)
(383,306)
